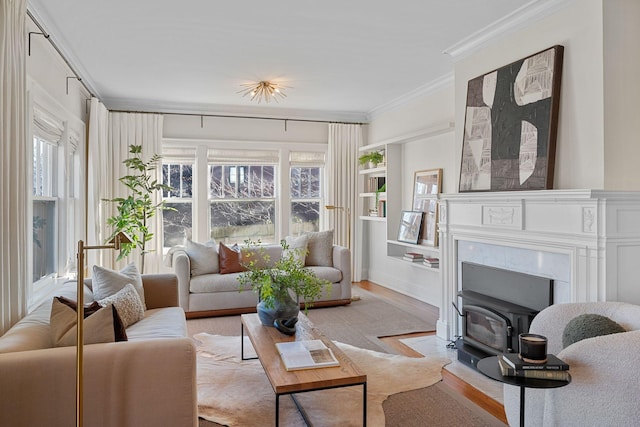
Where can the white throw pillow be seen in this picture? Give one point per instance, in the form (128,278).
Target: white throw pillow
(128,303)
(203,258)
(107,282)
(320,245)
(298,246)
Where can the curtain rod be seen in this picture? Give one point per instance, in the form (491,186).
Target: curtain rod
(55,46)
(231,116)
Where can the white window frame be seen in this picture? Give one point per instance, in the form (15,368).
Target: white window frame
(68,184)
(200,192)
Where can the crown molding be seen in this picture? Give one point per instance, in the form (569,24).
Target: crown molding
(423,90)
(517,20)
(234,111)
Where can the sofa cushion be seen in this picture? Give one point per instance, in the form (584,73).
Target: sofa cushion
(107,282)
(588,326)
(30,333)
(203,258)
(262,256)
(297,245)
(101,324)
(166,322)
(229,260)
(333,275)
(320,246)
(127,302)
(216,283)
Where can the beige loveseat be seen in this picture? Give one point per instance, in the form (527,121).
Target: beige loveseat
(149,380)
(213,294)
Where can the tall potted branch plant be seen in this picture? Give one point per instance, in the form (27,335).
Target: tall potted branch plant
(137,209)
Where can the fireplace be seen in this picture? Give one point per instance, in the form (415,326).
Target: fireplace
(497,305)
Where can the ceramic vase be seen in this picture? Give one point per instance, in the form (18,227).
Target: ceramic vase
(284,307)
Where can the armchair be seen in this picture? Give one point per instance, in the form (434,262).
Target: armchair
(605,387)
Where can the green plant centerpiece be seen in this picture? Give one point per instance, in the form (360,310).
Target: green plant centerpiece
(136,210)
(373,157)
(278,283)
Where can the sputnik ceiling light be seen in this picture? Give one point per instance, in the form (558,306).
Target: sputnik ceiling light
(263,91)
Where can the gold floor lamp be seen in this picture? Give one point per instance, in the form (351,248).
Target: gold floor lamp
(348,215)
(113,244)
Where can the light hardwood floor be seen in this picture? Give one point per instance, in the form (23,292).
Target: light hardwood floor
(455,383)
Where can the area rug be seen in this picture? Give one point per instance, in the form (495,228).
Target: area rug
(234,392)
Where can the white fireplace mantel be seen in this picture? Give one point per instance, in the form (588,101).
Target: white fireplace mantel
(596,231)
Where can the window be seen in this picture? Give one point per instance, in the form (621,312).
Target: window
(45,208)
(178,219)
(242,200)
(305,200)
(305,191)
(232,192)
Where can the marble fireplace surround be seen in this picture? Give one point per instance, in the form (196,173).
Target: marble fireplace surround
(588,241)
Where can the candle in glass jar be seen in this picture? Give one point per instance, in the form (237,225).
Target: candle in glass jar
(533,348)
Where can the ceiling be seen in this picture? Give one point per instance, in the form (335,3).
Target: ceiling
(339,58)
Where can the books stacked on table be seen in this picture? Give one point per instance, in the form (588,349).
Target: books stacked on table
(431,262)
(553,369)
(413,257)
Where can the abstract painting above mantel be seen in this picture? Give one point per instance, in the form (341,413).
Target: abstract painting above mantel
(511,122)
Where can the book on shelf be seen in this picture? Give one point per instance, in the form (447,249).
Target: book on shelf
(382,208)
(431,262)
(412,259)
(375,183)
(306,354)
(543,374)
(553,363)
(413,255)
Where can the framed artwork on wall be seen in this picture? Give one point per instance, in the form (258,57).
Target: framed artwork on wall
(427,185)
(410,225)
(510,126)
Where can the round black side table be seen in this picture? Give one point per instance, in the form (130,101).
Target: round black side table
(489,366)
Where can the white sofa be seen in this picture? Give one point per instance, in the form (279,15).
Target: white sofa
(149,380)
(605,386)
(217,294)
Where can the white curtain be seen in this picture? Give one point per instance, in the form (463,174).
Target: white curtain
(99,183)
(342,189)
(14,161)
(126,129)
(110,135)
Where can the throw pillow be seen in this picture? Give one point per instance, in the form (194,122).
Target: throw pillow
(101,324)
(107,282)
(203,258)
(297,247)
(229,260)
(128,303)
(588,326)
(320,246)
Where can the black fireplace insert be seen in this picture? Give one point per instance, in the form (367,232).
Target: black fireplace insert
(496,306)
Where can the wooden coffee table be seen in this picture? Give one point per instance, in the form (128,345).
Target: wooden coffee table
(264,339)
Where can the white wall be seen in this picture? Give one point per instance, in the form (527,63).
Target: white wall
(580,142)
(50,72)
(437,152)
(621,94)
(239,129)
(596,144)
